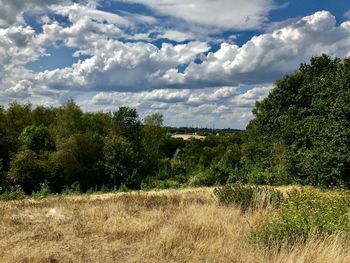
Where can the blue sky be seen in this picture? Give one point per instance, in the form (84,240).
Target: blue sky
(196,62)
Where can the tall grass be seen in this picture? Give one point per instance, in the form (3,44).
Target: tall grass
(161,226)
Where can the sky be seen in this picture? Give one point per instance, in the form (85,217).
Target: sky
(199,63)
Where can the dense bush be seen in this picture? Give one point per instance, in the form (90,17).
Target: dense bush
(248,197)
(305,214)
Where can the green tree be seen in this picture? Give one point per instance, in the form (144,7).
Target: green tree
(37,138)
(153,136)
(307,114)
(69,120)
(76,160)
(120,163)
(126,123)
(28,170)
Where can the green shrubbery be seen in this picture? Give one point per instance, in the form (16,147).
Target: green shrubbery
(248,197)
(13,193)
(304,214)
(296,217)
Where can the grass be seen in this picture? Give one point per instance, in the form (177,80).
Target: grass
(159,226)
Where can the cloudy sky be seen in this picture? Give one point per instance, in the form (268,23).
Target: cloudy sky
(197,62)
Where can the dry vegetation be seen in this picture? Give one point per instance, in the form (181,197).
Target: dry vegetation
(165,226)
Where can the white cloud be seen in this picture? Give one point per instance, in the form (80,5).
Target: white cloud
(77,11)
(177,35)
(11,11)
(224,106)
(269,56)
(120,66)
(226,14)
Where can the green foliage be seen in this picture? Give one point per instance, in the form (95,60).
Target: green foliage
(126,123)
(28,170)
(248,197)
(44,190)
(123,188)
(301,132)
(73,189)
(37,138)
(120,162)
(204,178)
(13,193)
(304,214)
(76,160)
(152,183)
(153,135)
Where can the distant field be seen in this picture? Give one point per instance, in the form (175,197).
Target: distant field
(188,136)
(164,226)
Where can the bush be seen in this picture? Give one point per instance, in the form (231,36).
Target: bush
(160,184)
(248,197)
(304,214)
(204,178)
(44,190)
(14,193)
(73,189)
(123,188)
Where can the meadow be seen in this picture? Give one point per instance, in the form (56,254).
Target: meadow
(188,225)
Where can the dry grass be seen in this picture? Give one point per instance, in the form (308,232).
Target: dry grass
(164,226)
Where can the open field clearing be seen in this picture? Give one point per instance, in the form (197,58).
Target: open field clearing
(164,226)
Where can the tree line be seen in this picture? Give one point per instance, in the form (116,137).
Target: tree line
(300,134)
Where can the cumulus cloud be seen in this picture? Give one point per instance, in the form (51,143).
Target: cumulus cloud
(238,14)
(120,66)
(11,12)
(267,57)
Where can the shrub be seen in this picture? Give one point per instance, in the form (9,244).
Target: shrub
(204,178)
(73,189)
(248,197)
(160,184)
(304,214)
(44,190)
(14,193)
(123,188)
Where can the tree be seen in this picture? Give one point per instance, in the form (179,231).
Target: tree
(77,161)
(153,136)
(126,123)
(120,163)
(69,120)
(307,115)
(28,170)
(37,138)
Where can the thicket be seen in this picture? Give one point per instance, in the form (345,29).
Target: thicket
(301,131)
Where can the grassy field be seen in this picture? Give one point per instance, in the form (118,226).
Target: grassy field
(166,226)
